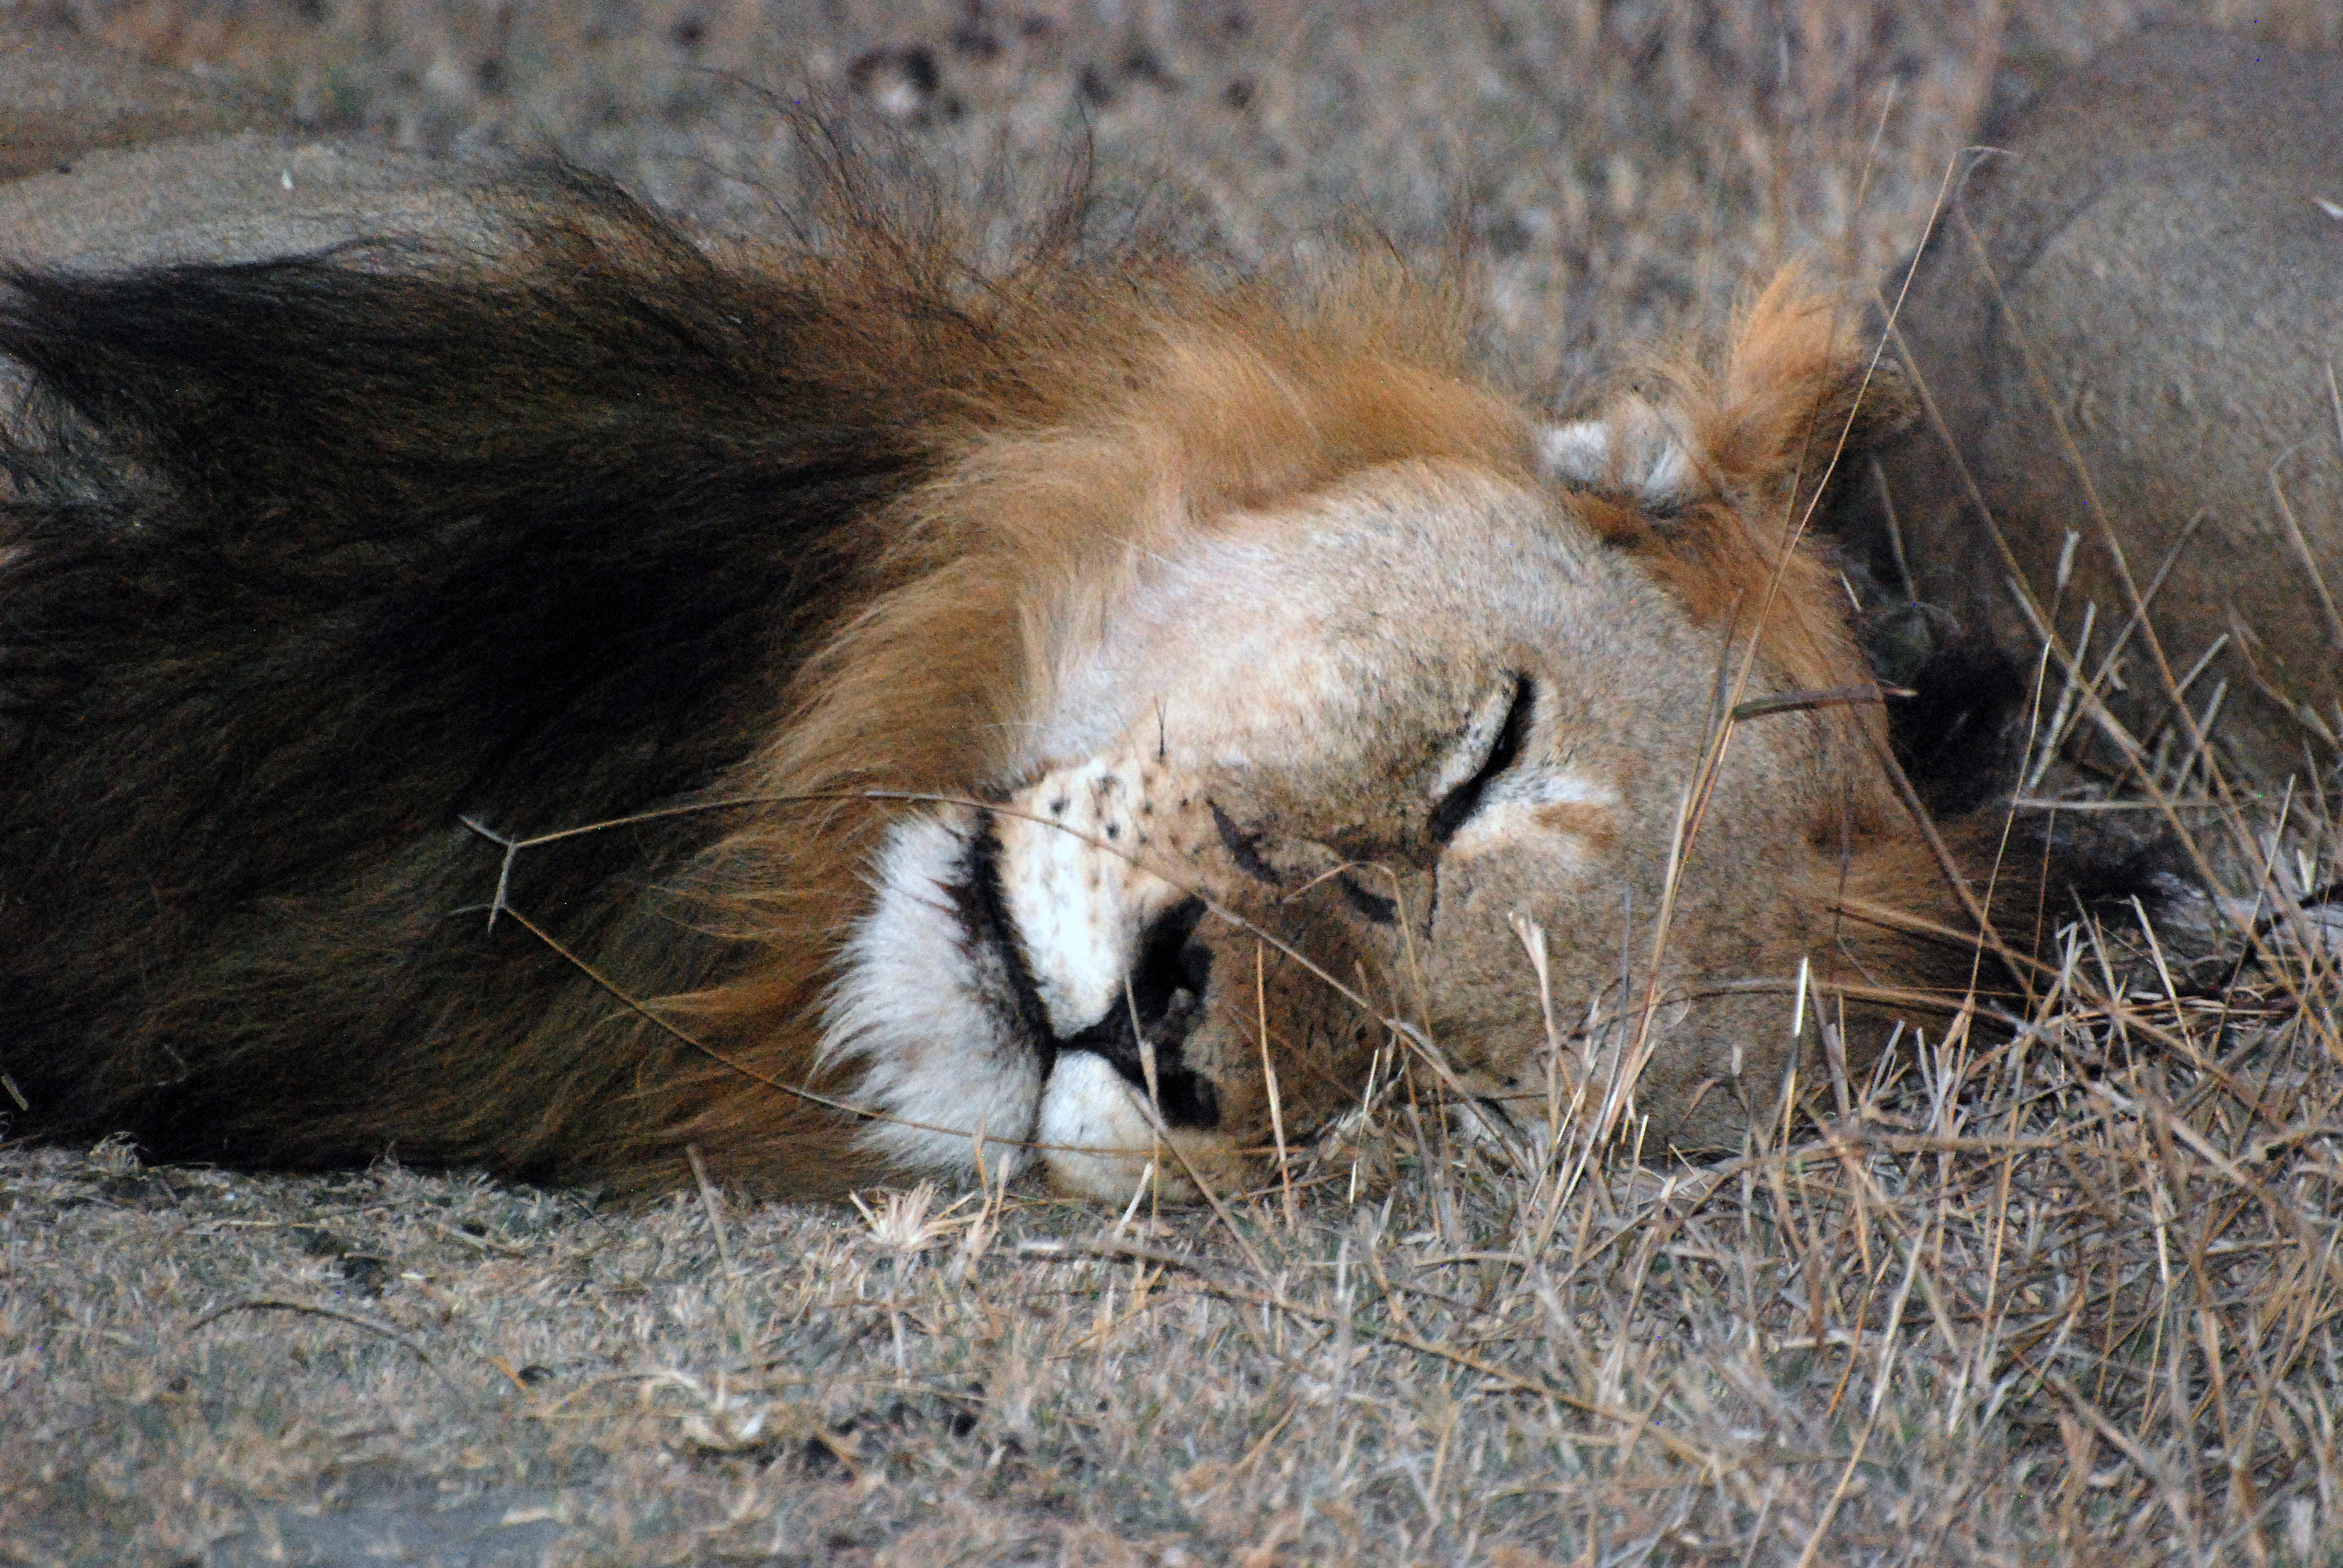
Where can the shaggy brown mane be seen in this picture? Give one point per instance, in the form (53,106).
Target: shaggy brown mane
(1168,404)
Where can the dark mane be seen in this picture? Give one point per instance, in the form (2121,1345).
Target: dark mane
(306,560)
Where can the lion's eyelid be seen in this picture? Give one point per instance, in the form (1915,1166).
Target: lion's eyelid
(1481,730)
(1491,743)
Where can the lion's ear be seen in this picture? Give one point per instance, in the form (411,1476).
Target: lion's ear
(1805,389)
(1634,450)
(1800,391)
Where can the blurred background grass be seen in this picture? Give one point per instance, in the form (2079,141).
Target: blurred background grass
(1616,167)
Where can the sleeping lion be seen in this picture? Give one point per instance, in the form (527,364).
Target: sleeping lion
(2125,324)
(488,675)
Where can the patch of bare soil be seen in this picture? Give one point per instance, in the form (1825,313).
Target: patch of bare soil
(2066,1293)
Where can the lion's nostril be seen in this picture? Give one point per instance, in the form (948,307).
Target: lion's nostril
(1196,966)
(1189,1099)
(1164,1002)
(1170,962)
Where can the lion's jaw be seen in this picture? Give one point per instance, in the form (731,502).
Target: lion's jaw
(1319,757)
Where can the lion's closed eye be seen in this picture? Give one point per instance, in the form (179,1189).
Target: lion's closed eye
(1491,743)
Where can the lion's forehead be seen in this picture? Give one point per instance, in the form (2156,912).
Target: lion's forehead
(1370,619)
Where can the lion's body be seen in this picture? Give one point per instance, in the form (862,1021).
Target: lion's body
(1012,696)
(2125,325)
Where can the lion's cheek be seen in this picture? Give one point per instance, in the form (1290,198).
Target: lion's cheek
(1536,911)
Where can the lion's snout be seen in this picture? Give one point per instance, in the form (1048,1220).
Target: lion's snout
(1097,873)
(1125,1087)
(1164,1002)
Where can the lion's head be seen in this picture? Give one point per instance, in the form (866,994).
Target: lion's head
(1318,699)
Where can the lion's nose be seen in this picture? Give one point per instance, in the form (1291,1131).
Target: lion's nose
(1162,1003)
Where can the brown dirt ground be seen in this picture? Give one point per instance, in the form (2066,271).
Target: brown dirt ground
(2067,1299)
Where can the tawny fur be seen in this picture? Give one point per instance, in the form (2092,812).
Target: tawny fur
(2124,322)
(937,495)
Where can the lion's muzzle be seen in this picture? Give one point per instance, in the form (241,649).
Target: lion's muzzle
(1052,936)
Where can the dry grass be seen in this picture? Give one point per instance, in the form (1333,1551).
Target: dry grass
(2065,1295)
(2067,1298)
(1615,166)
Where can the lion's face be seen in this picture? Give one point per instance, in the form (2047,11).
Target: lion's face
(1323,768)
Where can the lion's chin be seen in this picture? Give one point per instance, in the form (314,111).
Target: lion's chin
(1099,1141)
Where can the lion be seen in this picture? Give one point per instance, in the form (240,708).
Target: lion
(2124,326)
(492,675)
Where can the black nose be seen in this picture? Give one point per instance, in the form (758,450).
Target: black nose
(1169,981)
